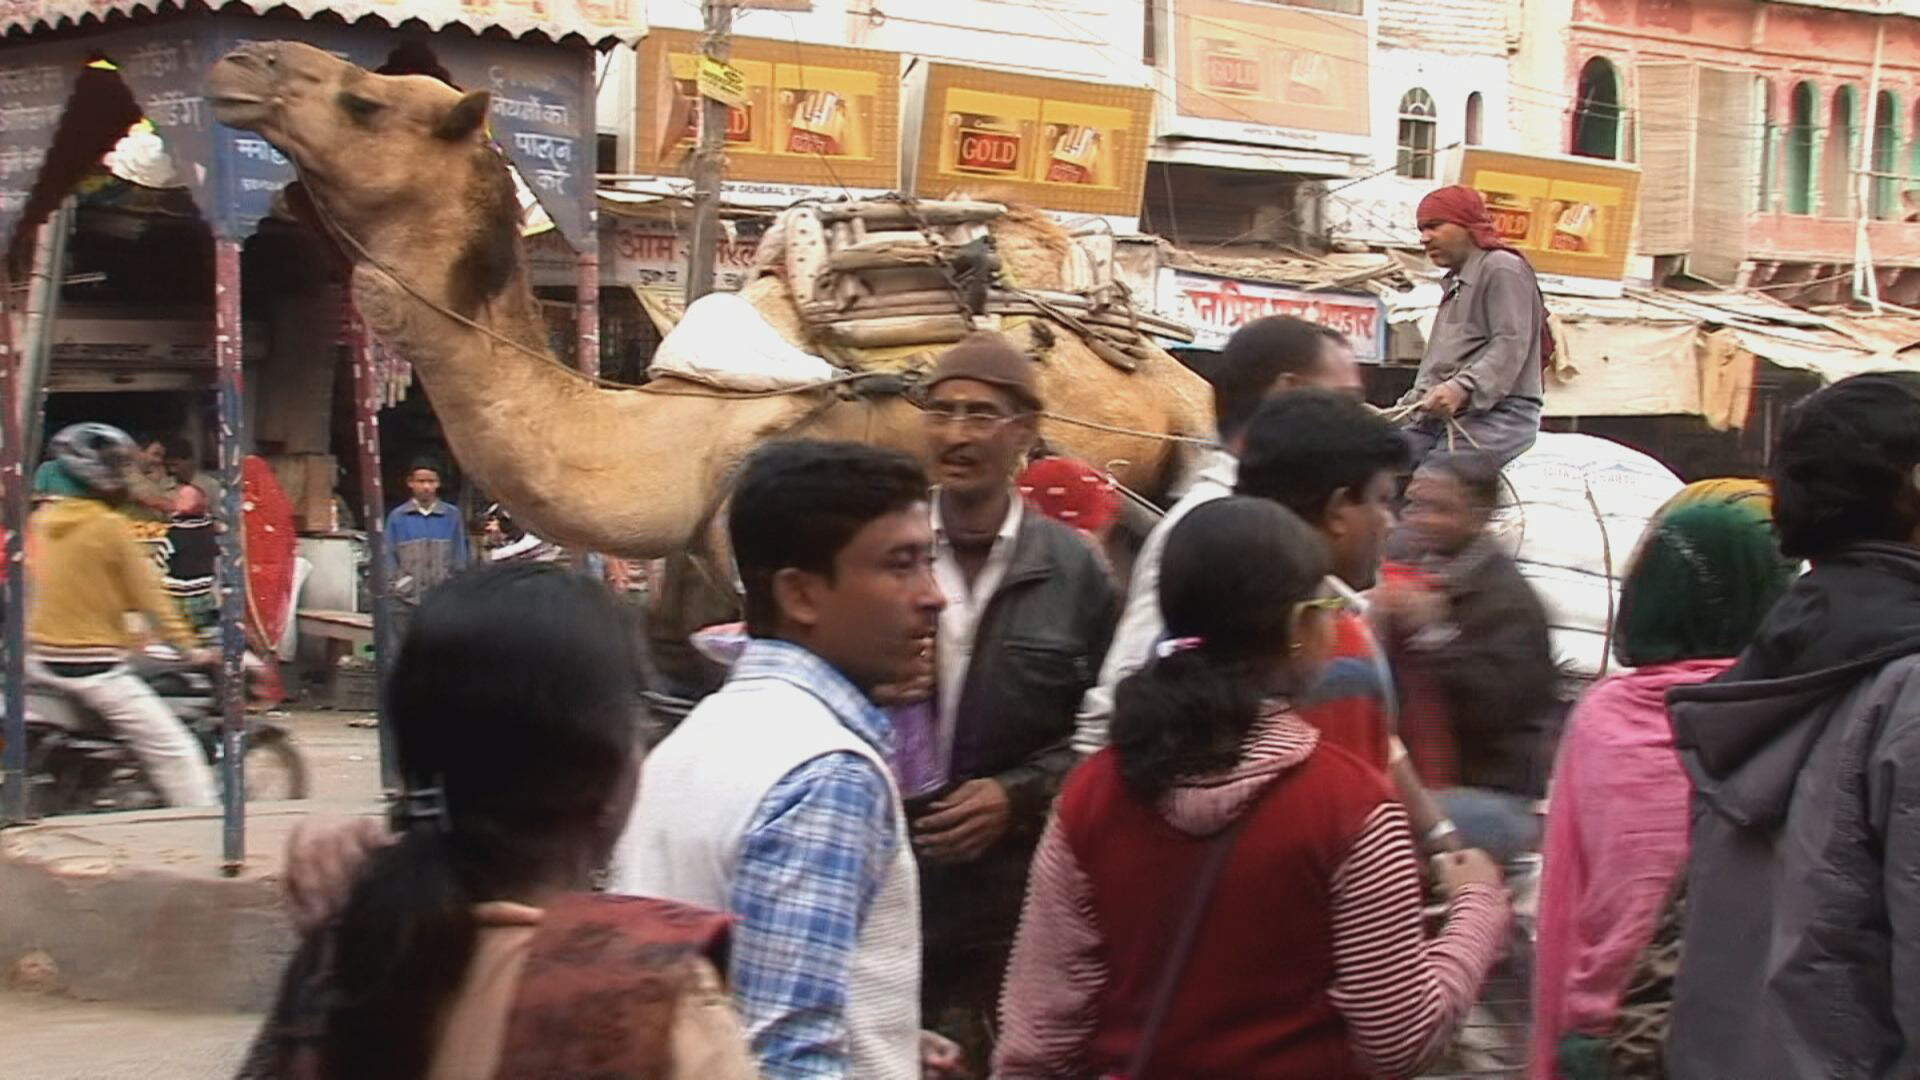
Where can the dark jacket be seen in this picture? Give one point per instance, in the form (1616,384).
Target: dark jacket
(1801,950)
(1494,663)
(1039,646)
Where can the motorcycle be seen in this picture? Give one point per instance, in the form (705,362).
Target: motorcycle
(76,764)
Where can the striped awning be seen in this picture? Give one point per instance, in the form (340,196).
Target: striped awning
(596,22)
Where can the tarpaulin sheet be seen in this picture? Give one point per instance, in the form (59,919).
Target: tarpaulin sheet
(1622,368)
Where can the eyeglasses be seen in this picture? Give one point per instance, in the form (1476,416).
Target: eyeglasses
(972,419)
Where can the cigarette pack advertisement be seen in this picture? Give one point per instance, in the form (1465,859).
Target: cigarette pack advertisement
(1059,144)
(1573,217)
(814,114)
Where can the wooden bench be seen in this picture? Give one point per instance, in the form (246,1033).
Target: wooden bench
(355,628)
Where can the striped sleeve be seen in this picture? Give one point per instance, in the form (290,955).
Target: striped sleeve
(1400,994)
(1050,1004)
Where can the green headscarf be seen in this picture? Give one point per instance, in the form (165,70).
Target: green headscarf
(1705,574)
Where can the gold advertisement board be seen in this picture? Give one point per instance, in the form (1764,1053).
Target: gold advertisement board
(1572,217)
(813,114)
(1056,143)
(1271,64)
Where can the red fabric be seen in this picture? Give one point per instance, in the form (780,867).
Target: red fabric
(597,995)
(1463,206)
(1071,492)
(1253,1001)
(1355,721)
(1426,727)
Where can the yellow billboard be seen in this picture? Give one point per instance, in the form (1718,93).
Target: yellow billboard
(1056,143)
(811,115)
(1571,216)
(1245,65)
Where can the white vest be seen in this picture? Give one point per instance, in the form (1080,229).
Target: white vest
(698,792)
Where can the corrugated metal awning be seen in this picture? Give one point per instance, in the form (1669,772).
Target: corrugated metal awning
(596,22)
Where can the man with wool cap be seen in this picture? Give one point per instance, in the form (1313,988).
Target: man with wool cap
(1029,612)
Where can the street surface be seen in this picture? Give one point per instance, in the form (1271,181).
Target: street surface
(56,1038)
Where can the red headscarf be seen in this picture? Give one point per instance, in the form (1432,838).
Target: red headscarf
(1463,206)
(1071,492)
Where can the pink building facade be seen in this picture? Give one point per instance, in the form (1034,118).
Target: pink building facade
(1753,124)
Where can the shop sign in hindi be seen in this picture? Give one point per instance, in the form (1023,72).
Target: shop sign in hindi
(1216,306)
(1056,143)
(796,113)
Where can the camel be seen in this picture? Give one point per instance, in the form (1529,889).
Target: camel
(401,171)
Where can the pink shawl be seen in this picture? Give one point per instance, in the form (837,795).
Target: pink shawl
(1616,836)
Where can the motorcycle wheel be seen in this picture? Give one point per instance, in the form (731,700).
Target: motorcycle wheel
(275,769)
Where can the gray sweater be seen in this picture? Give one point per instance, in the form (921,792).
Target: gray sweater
(1486,337)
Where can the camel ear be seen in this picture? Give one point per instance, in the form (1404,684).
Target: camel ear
(467,115)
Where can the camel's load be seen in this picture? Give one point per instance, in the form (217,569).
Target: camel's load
(882,284)
(1573,510)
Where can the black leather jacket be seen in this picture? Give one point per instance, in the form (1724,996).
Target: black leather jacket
(1038,648)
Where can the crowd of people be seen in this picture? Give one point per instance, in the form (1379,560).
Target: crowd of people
(969,804)
(935,824)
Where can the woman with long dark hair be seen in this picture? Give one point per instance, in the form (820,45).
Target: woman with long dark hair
(471,947)
(1219,893)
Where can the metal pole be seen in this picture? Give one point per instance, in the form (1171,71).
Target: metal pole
(709,164)
(232,575)
(368,396)
(587,301)
(13,487)
(1866,285)
(43,308)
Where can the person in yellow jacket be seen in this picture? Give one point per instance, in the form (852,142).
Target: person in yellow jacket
(85,572)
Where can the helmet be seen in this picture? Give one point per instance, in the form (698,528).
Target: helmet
(97,456)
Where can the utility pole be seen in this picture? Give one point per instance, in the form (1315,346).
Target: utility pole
(1866,284)
(709,161)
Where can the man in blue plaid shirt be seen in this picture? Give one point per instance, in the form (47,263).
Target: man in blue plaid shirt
(774,800)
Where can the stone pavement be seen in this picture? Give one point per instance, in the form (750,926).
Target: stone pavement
(134,908)
(51,1038)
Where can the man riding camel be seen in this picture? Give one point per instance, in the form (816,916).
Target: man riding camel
(1481,378)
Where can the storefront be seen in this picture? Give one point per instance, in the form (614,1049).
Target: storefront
(183,289)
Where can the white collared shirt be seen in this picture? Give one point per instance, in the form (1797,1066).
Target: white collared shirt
(1141,626)
(960,620)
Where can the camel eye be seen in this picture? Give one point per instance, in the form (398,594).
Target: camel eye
(358,107)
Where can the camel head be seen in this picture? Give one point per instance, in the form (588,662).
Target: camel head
(402,162)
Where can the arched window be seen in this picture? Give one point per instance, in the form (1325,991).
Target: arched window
(1800,137)
(1769,138)
(1596,114)
(1417,128)
(1886,156)
(1841,155)
(1474,120)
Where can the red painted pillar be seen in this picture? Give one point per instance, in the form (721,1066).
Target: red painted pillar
(369,395)
(587,308)
(14,490)
(232,573)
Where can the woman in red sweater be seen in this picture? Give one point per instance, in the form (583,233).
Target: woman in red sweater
(1218,893)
